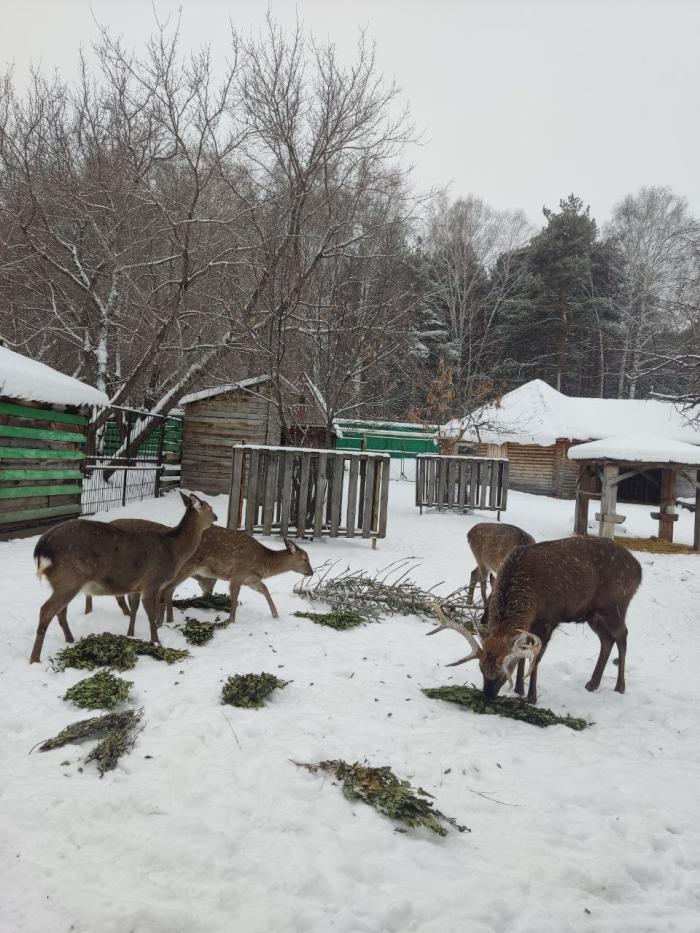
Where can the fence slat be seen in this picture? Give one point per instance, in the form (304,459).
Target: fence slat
(442,478)
(474,486)
(251,502)
(493,491)
(40,474)
(52,511)
(39,434)
(337,497)
(504,485)
(40,414)
(385,466)
(286,491)
(368,499)
(462,489)
(451,481)
(234,501)
(303,496)
(26,492)
(320,495)
(269,500)
(483,498)
(351,514)
(39,453)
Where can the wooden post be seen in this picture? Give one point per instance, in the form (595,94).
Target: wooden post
(696,526)
(666,513)
(585,486)
(608,500)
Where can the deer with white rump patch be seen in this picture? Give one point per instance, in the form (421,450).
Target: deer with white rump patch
(101,559)
(490,544)
(540,586)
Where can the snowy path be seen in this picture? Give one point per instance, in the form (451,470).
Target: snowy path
(208,827)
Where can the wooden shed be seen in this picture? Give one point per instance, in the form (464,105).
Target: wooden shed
(44,416)
(534,427)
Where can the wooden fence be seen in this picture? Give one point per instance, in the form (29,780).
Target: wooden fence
(298,491)
(461,483)
(41,452)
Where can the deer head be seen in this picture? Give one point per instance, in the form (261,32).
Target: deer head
(300,559)
(497,655)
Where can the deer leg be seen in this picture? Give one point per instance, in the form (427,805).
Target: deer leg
(150,603)
(544,635)
(121,602)
(88,604)
(473,580)
(134,600)
(63,621)
(206,585)
(618,630)
(54,604)
(261,588)
(165,603)
(234,589)
(597,623)
(483,574)
(520,678)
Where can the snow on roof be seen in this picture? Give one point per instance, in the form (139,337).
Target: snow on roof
(536,413)
(222,390)
(25,378)
(637,448)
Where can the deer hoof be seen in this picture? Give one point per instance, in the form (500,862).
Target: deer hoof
(590,686)
(620,688)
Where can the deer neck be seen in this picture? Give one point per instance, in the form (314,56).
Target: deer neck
(186,536)
(275,562)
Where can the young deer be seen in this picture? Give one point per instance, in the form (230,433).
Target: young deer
(491,544)
(237,557)
(540,586)
(101,559)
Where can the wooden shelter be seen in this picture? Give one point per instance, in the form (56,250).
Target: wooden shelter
(534,427)
(603,465)
(43,429)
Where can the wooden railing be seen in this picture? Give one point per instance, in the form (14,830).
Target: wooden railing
(461,483)
(297,491)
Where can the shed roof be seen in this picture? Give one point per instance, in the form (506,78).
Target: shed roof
(642,447)
(535,413)
(222,390)
(24,378)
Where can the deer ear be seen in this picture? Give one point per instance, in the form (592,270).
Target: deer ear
(185,499)
(196,502)
(291,546)
(492,579)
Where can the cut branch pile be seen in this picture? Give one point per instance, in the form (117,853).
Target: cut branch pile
(217,601)
(101,691)
(390,590)
(509,707)
(383,790)
(117,733)
(108,650)
(337,619)
(199,633)
(250,691)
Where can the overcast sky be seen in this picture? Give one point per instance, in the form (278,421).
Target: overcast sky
(520,102)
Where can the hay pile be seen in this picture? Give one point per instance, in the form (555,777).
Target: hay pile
(108,650)
(339,619)
(249,691)
(101,691)
(654,545)
(509,707)
(117,733)
(382,789)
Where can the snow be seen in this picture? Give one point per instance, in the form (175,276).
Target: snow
(536,413)
(222,390)
(637,448)
(208,827)
(27,379)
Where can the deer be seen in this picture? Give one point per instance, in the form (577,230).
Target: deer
(234,556)
(491,544)
(102,559)
(539,587)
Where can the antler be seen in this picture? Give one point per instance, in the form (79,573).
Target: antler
(477,648)
(526,646)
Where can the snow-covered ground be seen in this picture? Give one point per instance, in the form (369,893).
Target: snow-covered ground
(207,826)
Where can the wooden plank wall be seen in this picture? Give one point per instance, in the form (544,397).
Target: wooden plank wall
(213,426)
(41,454)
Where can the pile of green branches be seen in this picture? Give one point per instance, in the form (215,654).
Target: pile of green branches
(108,650)
(218,601)
(510,707)
(250,690)
(199,633)
(338,619)
(383,790)
(390,590)
(116,731)
(101,691)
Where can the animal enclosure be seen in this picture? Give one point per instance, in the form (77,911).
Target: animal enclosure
(297,491)
(462,483)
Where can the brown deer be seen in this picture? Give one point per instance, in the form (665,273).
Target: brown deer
(490,544)
(237,557)
(101,559)
(540,586)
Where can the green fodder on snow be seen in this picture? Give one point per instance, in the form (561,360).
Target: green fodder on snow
(250,691)
(199,633)
(101,691)
(217,601)
(382,789)
(476,701)
(116,651)
(339,619)
(116,732)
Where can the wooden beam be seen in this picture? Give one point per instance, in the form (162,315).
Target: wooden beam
(608,501)
(696,525)
(40,414)
(666,513)
(39,453)
(584,487)
(25,492)
(39,434)
(25,515)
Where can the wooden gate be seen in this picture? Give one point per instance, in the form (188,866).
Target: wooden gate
(298,491)
(461,483)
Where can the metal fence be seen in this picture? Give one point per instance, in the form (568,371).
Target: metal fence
(298,491)
(461,483)
(115,473)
